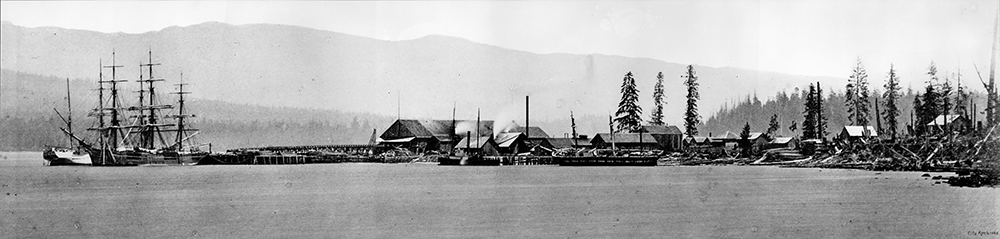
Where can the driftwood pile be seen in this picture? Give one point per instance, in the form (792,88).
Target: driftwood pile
(975,157)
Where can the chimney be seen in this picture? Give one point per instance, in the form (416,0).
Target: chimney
(527,125)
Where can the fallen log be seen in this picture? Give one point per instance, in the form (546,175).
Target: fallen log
(979,145)
(936,149)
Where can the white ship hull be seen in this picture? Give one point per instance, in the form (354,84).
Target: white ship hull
(65,156)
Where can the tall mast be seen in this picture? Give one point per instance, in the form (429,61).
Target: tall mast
(101,131)
(572,122)
(181,115)
(141,117)
(69,113)
(611,126)
(152,130)
(451,133)
(115,121)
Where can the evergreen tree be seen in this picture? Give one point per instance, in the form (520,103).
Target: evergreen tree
(857,96)
(944,96)
(809,124)
(773,126)
(931,99)
(691,118)
(657,118)
(629,113)
(962,102)
(918,107)
(891,95)
(745,140)
(820,119)
(793,127)
(961,99)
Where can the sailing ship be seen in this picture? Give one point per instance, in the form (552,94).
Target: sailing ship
(139,134)
(74,154)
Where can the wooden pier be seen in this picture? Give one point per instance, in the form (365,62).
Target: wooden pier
(522,160)
(283,159)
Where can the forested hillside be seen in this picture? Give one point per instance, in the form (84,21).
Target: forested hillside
(790,107)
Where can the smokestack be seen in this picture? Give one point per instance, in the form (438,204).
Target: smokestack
(478,134)
(527,125)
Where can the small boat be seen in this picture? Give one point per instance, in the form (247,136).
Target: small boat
(66,156)
(72,155)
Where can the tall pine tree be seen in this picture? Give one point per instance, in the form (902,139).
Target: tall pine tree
(820,119)
(944,96)
(809,124)
(691,118)
(857,96)
(744,143)
(891,96)
(629,113)
(773,125)
(961,98)
(917,116)
(931,99)
(657,118)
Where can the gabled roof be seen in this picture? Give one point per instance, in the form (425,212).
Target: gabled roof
(661,129)
(755,135)
(859,131)
(728,135)
(944,119)
(626,138)
(698,139)
(782,140)
(441,129)
(402,140)
(560,143)
(535,132)
(507,139)
(474,142)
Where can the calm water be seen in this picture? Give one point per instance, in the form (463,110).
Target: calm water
(429,201)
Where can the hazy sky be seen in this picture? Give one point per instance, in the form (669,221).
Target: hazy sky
(799,37)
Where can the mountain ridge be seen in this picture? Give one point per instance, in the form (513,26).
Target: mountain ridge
(294,66)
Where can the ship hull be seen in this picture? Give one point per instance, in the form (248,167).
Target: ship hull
(136,158)
(605,161)
(467,161)
(64,156)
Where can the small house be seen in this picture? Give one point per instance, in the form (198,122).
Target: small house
(758,141)
(728,137)
(641,141)
(857,133)
(669,137)
(783,142)
(951,122)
